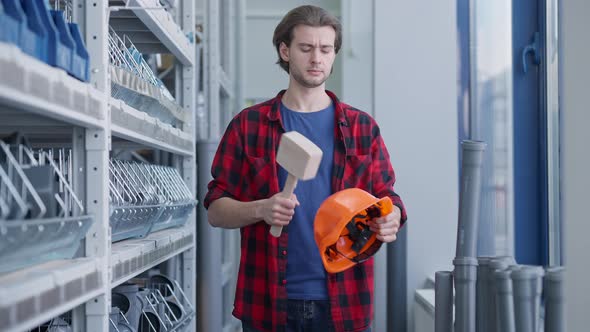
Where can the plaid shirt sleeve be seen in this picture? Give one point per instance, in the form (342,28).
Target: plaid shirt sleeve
(383,173)
(243,169)
(227,166)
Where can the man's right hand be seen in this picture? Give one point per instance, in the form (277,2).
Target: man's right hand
(278,210)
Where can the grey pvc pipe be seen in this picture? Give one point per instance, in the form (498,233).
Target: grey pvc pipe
(465,275)
(209,304)
(472,156)
(482,295)
(443,301)
(554,303)
(527,287)
(504,301)
(496,263)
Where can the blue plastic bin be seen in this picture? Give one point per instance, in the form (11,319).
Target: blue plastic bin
(10,28)
(56,52)
(68,46)
(39,33)
(80,58)
(26,38)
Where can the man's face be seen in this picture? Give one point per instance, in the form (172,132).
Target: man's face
(310,55)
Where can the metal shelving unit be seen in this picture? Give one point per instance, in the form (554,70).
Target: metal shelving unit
(31,296)
(224,31)
(32,86)
(129,258)
(152,28)
(135,126)
(56,110)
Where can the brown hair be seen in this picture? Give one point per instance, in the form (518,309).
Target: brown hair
(304,15)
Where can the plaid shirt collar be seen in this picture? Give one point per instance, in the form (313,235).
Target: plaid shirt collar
(275,114)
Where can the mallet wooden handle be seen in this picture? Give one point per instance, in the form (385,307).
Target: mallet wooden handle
(288,190)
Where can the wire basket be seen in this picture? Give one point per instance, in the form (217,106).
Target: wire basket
(134,82)
(40,215)
(146,198)
(62,323)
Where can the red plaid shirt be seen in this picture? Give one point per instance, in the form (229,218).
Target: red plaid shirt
(245,169)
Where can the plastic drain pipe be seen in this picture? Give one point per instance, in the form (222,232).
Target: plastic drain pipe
(554,306)
(504,301)
(527,287)
(465,275)
(482,294)
(469,198)
(443,301)
(496,264)
(465,272)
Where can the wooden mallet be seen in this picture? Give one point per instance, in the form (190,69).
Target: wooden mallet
(301,159)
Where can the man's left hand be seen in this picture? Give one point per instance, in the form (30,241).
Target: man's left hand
(386,227)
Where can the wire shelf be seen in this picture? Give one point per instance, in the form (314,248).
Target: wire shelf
(146,198)
(134,82)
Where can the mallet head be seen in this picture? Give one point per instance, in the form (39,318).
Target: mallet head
(299,156)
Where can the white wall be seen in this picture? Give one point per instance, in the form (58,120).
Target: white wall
(416,106)
(357,54)
(575,73)
(263,77)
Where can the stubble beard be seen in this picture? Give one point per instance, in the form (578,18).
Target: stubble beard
(308,83)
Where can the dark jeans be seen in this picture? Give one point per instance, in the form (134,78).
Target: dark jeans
(305,316)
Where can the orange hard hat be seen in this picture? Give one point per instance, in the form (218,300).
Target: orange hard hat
(341,228)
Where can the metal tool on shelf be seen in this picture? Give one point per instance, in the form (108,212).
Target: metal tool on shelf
(160,306)
(62,323)
(170,293)
(146,198)
(118,321)
(40,215)
(125,298)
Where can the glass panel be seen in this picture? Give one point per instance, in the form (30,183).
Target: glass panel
(491,121)
(552,88)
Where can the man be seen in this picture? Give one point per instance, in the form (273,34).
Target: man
(282,284)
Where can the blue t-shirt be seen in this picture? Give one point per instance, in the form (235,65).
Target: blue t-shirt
(306,276)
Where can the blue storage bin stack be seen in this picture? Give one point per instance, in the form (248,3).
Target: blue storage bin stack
(80,57)
(65,38)
(10,27)
(57,52)
(45,35)
(31,9)
(26,38)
